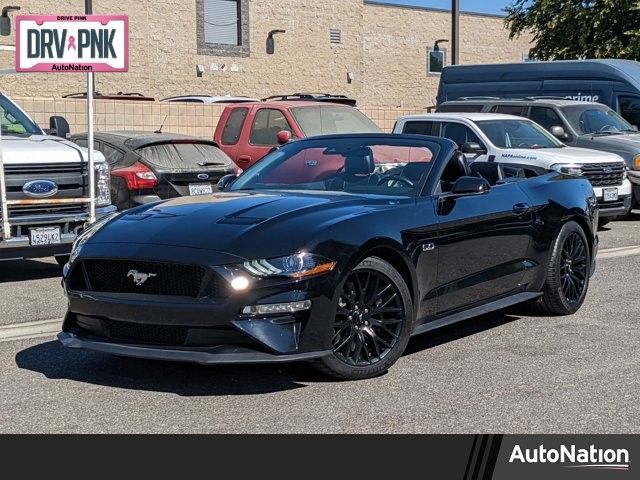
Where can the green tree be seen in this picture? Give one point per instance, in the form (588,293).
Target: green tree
(570,29)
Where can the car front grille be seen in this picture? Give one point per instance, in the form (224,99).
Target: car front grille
(608,205)
(170,335)
(604,174)
(144,277)
(71,179)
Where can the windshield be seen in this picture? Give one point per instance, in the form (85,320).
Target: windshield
(329,119)
(14,121)
(380,166)
(517,134)
(185,156)
(596,119)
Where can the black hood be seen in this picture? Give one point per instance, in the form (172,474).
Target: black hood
(244,224)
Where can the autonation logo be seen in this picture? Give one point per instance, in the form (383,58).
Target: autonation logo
(574,457)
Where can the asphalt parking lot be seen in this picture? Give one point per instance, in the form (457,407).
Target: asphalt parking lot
(508,372)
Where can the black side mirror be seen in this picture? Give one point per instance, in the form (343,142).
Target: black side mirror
(473,148)
(470,186)
(59,127)
(225,181)
(559,133)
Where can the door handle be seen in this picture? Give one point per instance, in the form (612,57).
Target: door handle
(244,159)
(521,208)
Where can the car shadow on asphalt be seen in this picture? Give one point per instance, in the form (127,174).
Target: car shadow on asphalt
(466,328)
(55,362)
(634,216)
(22,270)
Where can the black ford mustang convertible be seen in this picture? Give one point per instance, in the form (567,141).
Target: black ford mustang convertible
(333,249)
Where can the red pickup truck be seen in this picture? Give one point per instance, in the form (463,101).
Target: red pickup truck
(249,131)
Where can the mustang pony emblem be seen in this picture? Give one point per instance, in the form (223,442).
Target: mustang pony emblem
(139,278)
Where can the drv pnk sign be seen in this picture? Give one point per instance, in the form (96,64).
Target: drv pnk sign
(72,43)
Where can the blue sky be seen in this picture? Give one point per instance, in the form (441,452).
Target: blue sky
(483,6)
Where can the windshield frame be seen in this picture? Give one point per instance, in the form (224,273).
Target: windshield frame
(31,127)
(569,111)
(435,145)
(368,125)
(537,128)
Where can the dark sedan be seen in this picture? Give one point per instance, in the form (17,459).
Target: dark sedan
(334,249)
(148,167)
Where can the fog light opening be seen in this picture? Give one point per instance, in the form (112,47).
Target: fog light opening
(273,308)
(240,283)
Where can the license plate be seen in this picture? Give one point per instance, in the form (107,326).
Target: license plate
(200,188)
(45,236)
(610,194)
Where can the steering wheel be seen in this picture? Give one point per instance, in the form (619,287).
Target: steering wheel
(607,128)
(396,179)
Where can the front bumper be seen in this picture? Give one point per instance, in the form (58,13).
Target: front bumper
(19,247)
(221,354)
(618,207)
(207,329)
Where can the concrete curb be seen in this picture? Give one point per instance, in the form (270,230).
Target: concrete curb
(42,328)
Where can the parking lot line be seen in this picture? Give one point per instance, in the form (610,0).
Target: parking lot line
(30,330)
(619,252)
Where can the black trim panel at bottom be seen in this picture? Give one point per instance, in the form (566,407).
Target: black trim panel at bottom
(217,355)
(476,311)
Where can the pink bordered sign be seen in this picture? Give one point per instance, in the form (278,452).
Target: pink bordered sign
(72,43)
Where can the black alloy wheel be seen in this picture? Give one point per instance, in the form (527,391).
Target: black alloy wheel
(373,321)
(573,267)
(369,319)
(568,272)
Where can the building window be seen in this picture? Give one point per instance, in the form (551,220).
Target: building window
(223,27)
(436,60)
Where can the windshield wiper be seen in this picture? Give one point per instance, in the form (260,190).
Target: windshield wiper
(603,134)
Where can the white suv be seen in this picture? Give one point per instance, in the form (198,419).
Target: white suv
(518,141)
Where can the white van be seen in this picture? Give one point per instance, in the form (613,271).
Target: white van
(515,140)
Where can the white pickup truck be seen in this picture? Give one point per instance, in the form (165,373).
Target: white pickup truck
(518,141)
(44,195)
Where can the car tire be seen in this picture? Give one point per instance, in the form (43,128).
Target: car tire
(568,272)
(373,322)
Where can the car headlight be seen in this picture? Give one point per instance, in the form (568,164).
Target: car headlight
(103,184)
(636,162)
(86,234)
(299,265)
(568,168)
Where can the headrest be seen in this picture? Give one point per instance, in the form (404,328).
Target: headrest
(359,162)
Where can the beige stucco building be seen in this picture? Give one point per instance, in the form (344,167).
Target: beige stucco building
(374,52)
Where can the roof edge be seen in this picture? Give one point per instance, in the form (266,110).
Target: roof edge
(378,3)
